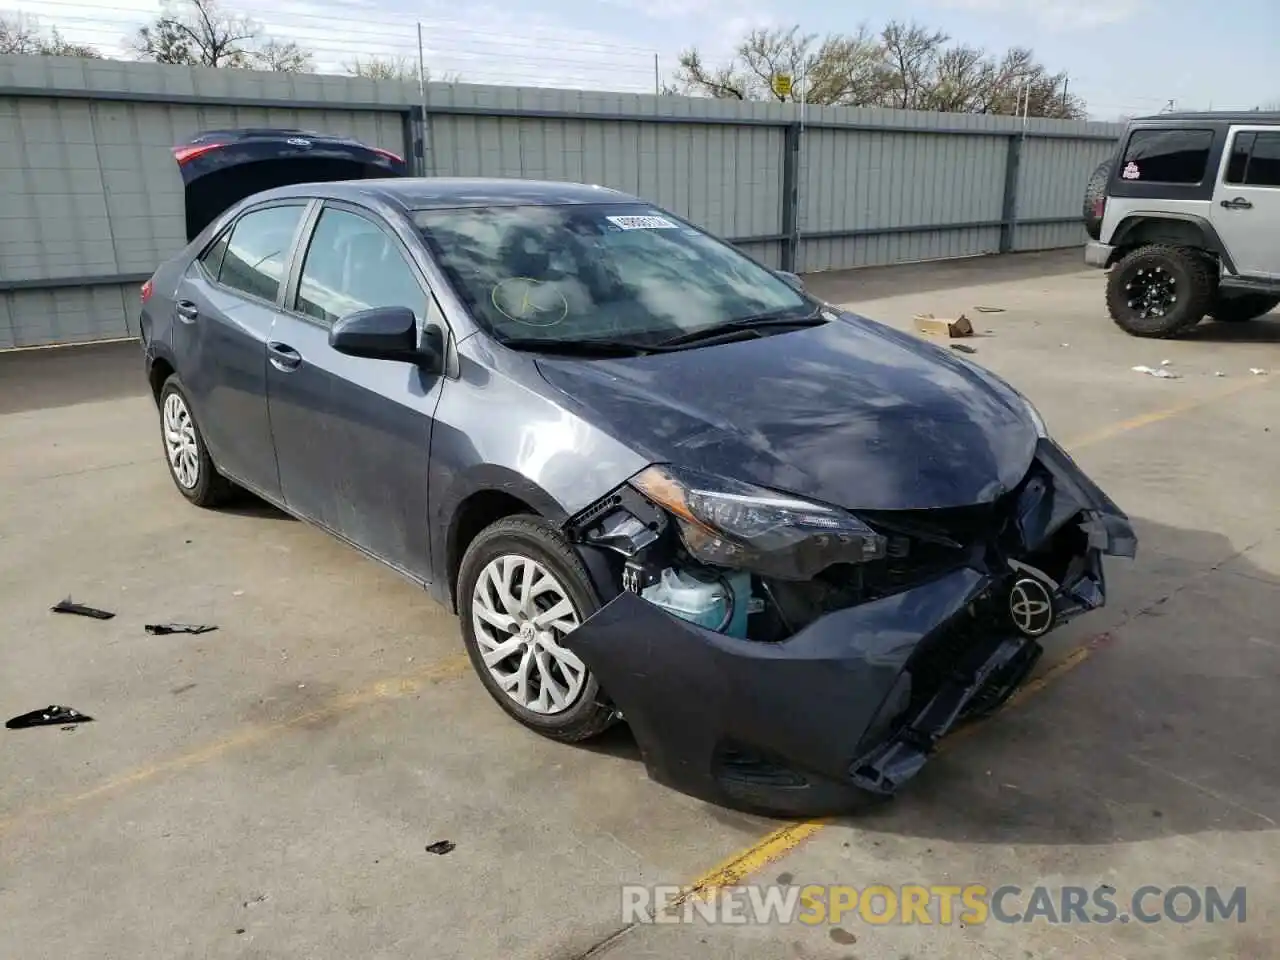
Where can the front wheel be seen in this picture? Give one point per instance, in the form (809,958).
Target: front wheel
(521,590)
(1160,291)
(1243,307)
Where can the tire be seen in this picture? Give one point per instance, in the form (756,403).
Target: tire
(514,542)
(1194,287)
(193,472)
(1242,308)
(1095,190)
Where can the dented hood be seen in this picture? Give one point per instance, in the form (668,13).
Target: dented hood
(851,413)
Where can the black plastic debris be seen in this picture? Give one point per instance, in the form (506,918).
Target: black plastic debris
(164,629)
(50,716)
(441,847)
(964,348)
(79,609)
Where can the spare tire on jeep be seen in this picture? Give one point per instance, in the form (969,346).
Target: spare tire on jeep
(1095,195)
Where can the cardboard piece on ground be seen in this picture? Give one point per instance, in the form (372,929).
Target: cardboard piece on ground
(930,325)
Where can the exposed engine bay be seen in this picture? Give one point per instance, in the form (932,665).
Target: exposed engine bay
(788,657)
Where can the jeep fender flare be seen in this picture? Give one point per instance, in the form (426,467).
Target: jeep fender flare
(1177,229)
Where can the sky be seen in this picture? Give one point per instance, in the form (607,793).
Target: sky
(1123,57)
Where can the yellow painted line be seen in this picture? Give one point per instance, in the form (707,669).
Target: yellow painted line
(392,689)
(774,846)
(1155,416)
(766,850)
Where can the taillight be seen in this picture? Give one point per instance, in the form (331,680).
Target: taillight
(388,154)
(187,154)
(1099,208)
(147,289)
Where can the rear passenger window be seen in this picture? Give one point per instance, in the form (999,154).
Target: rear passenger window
(212,258)
(1239,162)
(1263,169)
(257,253)
(353,265)
(1167,156)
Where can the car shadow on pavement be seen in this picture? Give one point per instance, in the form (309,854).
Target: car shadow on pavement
(1166,730)
(63,376)
(246,504)
(1263,330)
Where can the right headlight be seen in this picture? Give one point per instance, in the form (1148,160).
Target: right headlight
(738,525)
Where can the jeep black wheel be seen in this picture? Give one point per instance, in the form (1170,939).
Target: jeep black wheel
(1242,307)
(1160,291)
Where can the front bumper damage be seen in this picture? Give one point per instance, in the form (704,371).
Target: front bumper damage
(854,702)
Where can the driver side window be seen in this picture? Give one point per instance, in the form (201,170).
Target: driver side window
(352,264)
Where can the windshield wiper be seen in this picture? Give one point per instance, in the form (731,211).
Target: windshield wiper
(576,348)
(735,328)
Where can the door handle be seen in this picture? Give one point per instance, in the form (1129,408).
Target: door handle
(1239,203)
(187,310)
(283,357)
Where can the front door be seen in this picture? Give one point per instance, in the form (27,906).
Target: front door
(226,305)
(352,435)
(1246,202)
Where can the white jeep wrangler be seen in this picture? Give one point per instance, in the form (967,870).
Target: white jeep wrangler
(1187,219)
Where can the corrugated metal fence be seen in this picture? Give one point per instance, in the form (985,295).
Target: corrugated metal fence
(91,200)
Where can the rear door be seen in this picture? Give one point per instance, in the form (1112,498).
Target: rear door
(1246,209)
(225,307)
(352,435)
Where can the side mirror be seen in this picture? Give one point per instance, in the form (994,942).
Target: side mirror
(792,279)
(388,333)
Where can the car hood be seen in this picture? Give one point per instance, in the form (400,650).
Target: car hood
(852,413)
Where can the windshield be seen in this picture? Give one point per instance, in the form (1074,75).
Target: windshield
(598,272)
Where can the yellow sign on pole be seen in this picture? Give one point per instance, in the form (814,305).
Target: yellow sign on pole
(782,84)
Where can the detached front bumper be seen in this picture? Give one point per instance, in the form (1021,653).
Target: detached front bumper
(855,702)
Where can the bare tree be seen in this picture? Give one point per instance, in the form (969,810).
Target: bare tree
(282,56)
(201,33)
(392,68)
(23,36)
(912,53)
(382,68)
(905,65)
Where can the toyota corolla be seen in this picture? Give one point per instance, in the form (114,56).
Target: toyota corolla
(658,482)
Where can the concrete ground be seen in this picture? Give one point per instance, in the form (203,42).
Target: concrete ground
(267,790)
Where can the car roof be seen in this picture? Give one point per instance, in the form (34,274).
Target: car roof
(425,193)
(1241,116)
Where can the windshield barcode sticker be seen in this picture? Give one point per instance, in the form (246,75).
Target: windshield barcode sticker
(643,223)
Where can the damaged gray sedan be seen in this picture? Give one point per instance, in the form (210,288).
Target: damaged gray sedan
(659,482)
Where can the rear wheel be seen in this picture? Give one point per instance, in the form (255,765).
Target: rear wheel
(188,459)
(1242,307)
(521,590)
(1160,291)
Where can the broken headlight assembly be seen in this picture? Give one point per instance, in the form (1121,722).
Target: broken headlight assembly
(728,523)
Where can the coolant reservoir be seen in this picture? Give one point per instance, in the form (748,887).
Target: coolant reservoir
(712,604)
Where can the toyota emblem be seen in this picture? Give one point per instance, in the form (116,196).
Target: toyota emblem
(298,142)
(1031,607)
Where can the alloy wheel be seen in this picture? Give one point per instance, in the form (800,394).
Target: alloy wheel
(1151,292)
(520,613)
(180,441)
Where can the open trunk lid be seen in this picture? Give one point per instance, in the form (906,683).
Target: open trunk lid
(222,167)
